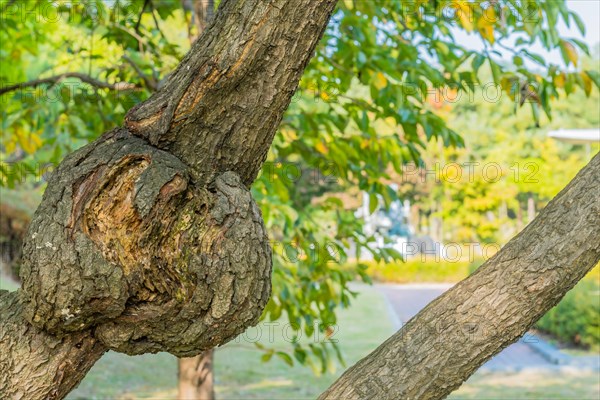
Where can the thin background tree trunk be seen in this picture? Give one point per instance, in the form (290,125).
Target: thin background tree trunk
(196,377)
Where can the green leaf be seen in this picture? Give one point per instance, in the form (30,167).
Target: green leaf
(495,71)
(267,356)
(373,202)
(578,22)
(286,358)
(594,76)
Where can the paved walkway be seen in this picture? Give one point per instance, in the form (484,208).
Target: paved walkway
(407,300)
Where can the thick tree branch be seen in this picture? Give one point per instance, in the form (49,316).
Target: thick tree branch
(57,78)
(220,109)
(438,349)
(43,366)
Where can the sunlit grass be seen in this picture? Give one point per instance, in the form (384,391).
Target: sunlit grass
(239,372)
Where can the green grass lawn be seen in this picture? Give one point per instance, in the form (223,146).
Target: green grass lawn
(241,375)
(7,284)
(567,384)
(238,370)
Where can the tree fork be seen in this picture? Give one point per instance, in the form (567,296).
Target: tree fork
(148,239)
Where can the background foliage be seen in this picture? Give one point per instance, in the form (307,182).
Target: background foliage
(363,111)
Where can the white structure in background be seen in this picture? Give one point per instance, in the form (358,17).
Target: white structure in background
(391,228)
(578,136)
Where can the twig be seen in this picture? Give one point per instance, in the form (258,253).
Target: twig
(57,78)
(137,24)
(149,81)
(134,35)
(156,22)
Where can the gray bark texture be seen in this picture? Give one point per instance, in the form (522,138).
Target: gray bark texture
(444,344)
(148,239)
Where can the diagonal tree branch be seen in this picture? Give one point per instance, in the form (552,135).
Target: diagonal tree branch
(57,78)
(444,344)
(139,20)
(149,81)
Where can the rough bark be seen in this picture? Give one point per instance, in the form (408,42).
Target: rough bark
(196,374)
(221,107)
(447,341)
(148,239)
(138,253)
(196,377)
(35,365)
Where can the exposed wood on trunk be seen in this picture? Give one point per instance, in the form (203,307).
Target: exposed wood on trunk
(438,349)
(196,374)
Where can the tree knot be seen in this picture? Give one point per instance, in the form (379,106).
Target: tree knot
(147,259)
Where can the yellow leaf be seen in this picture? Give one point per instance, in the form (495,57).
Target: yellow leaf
(11,145)
(29,142)
(35,138)
(465,16)
(559,80)
(487,32)
(507,84)
(380,81)
(570,52)
(321,148)
(485,24)
(349,4)
(587,83)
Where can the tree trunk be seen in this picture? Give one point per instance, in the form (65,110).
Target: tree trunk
(448,340)
(148,239)
(519,216)
(196,377)
(35,365)
(195,374)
